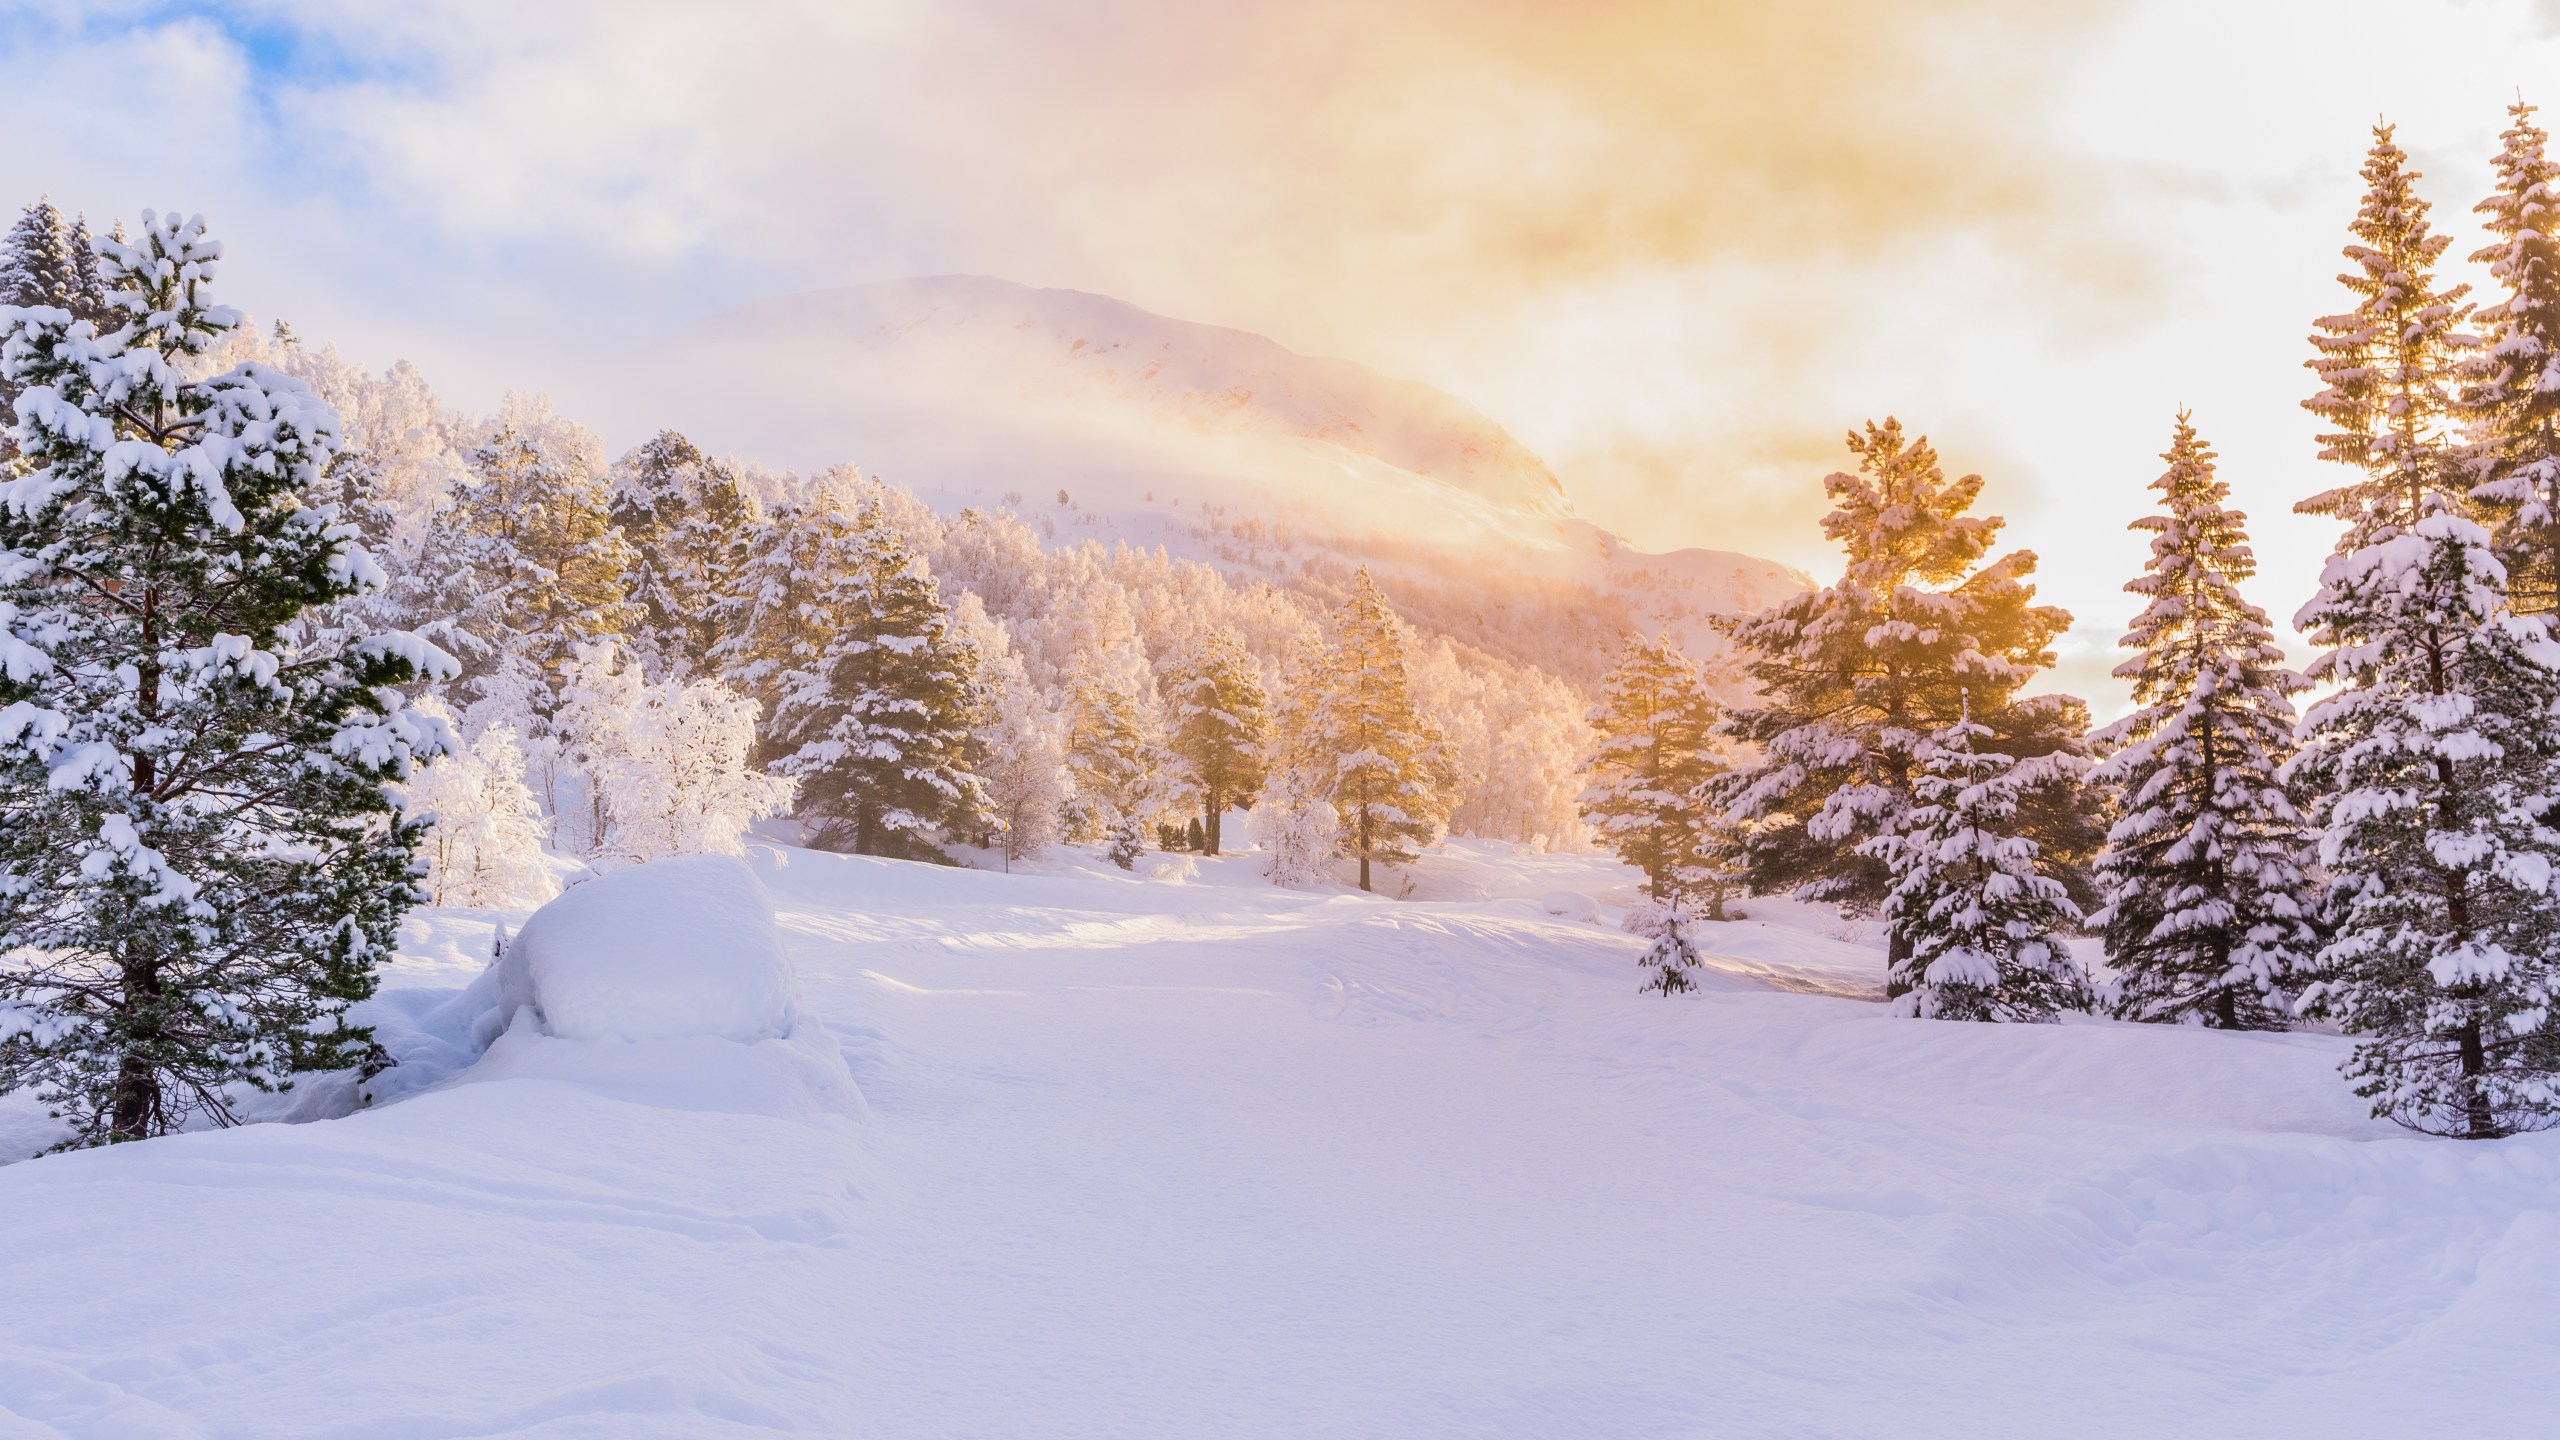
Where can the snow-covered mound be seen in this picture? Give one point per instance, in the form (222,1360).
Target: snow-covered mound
(672,948)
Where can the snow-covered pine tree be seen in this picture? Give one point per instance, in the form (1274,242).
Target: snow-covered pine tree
(200,857)
(532,548)
(2207,904)
(1025,761)
(1220,725)
(1855,677)
(875,691)
(1112,748)
(485,849)
(1383,766)
(1985,921)
(687,520)
(2437,771)
(2511,384)
(2388,367)
(1657,751)
(1672,958)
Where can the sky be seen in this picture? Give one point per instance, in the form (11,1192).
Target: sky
(1678,248)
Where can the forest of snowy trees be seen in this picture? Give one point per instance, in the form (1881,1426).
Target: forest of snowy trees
(272,628)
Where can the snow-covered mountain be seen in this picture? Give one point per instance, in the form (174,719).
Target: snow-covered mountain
(1212,442)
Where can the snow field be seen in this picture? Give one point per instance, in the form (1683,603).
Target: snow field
(1211,1158)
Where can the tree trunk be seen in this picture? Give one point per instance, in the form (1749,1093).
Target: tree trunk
(1209,820)
(134,1111)
(2475,1106)
(1364,847)
(1897,949)
(2226,1009)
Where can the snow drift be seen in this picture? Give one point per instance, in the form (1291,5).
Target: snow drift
(682,947)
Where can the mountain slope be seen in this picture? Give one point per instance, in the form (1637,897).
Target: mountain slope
(1212,442)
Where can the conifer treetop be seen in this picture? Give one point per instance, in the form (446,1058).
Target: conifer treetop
(2386,367)
(2511,395)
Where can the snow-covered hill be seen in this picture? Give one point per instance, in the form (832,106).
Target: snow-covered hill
(1134,1157)
(1214,443)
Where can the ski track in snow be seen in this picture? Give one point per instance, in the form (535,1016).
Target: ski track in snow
(1144,1159)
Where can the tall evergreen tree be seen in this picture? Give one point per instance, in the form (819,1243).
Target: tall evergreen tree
(1985,921)
(2208,906)
(2511,394)
(1221,725)
(1368,748)
(1112,750)
(89,298)
(1657,752)
(874,691)
(2437,771)
(537,562)
(2435,764)
(200,859)
(2387,368)
(1855,677)
(687,519)
(41,266)
(38,265)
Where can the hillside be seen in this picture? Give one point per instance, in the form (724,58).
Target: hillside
(1140,1158)
(1213,443)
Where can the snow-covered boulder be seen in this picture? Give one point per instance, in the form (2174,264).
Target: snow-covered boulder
(1171,869)
(681,947)
(1570,904)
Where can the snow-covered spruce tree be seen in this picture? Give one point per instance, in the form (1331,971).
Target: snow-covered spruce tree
(875,692)
(1383,766)
(1126,842)
(485,847)
(1855,677)
(45,263)
(2207,904)
(2435,766)
(2388,367)
(1672,959)
(38,264)
(200,859)
(2511,384)
(687,520)
(1657,751)
(1220,725)
(1985,921)
(89,298)
(2437,771)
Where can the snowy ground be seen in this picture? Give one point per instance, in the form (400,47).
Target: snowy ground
(1203,1159)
